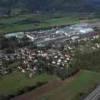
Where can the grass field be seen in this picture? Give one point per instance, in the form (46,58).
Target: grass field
(68,91)
(16,81)
(32,22)
(63,21)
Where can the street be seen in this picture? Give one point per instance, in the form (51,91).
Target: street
(95,95)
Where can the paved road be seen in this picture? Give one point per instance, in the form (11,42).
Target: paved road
(94,95)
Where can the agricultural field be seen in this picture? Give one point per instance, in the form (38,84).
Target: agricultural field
(16,81)
(81,83)
(33,22)
(68,89)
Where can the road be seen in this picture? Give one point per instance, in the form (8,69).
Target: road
(95,95)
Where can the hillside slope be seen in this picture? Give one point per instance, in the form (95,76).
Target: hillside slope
(7,6)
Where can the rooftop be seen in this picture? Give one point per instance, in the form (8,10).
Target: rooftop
(17,35)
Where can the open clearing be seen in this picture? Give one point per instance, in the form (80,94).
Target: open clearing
(66,90)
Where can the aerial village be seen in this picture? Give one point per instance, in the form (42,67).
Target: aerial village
(51,51)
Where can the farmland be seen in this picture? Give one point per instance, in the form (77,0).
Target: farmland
(33,22)
(16,81)
(82,82)
(49,49)
(69,89)
(37,22)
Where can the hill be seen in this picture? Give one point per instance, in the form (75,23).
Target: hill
(16,6)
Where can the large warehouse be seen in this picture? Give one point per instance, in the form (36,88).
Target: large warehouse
(76,29)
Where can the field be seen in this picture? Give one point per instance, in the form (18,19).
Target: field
(82,82)
(17,81)
(29,22)
(68,89)
(33,22)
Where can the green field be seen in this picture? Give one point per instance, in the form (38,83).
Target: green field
(84,81)
(32,22)
(16,81)
(37,21)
